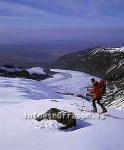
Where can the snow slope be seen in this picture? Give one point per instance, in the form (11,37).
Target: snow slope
(22,98)
(16,90)
(69,81)
(17,133)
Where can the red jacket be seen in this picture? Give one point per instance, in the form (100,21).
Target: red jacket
(96,90)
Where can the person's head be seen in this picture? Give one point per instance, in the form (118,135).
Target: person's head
(93,81)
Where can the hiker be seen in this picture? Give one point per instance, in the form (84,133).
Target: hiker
(97,91)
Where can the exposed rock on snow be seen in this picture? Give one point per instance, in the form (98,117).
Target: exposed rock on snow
(68,119)
(32,73)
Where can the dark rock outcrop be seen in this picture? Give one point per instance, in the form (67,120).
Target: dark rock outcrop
(14,72)
(66,118)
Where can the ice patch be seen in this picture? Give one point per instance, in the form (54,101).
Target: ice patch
(37,70)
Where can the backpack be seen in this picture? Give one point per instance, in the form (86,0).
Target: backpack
(103,87)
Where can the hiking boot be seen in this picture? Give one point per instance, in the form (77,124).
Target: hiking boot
(104,111)
(94,110)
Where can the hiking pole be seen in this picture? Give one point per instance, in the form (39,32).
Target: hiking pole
(83,103)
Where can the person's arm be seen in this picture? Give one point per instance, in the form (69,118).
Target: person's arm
(92,90)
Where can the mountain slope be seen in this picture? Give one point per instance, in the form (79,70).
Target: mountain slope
(100,61)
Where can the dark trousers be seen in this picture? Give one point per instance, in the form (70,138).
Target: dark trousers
(98,102)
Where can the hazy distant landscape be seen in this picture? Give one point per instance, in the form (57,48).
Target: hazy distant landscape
(28,55)
(42,53)
(27,59)
(38,54)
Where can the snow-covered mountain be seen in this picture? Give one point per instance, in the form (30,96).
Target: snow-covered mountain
(21,99)
(114,70)
(107,49)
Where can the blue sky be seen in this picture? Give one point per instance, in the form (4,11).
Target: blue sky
(96,21)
